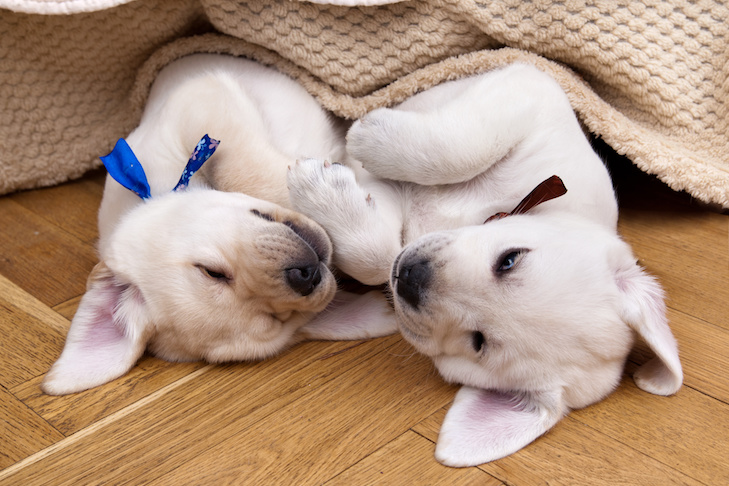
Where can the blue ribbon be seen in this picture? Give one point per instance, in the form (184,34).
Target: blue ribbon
(205,148)
(126,169)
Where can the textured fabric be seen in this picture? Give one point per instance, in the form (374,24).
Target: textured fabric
(65,84)
(650,77)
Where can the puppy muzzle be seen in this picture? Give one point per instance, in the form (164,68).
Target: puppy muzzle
(413,273)
(304,278)
(411,279)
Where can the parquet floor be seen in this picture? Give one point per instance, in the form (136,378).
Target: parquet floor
(341,412)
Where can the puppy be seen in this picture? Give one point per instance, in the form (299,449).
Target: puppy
(223,269)
(533,310)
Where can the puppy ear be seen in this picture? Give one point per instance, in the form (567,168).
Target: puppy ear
(352,316)
(106,337)
(485,425)
(644,310)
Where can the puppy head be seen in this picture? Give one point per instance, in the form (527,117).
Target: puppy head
(535,314)
(196,275)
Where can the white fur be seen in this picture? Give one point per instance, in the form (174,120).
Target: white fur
(556,326)
(152,288)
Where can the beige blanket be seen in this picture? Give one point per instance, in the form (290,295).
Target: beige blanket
(651,78)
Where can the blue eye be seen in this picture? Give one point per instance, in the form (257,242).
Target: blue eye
(508,260)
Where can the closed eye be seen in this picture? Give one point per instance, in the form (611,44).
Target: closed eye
(214,274)
(261,215)
(508,260)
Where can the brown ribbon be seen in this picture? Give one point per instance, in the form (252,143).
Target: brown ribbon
(546,190)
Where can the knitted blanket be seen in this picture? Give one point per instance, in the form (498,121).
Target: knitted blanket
(650,78)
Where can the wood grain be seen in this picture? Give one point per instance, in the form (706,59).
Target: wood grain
(41,258)
(401,459)
(22,431)
(694,442)
(71,207)
(31,335)
(310,439)
(71,413)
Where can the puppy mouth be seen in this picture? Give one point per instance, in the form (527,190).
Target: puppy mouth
(394,273)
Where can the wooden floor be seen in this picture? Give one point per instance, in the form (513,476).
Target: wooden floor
(342,412)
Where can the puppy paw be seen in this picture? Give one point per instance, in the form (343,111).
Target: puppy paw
(393,144)
(326,192)
(365,242)
(371,139)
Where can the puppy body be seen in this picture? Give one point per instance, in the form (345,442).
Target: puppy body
(535,313)
(223,270)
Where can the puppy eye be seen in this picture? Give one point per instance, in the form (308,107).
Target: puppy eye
(214,273)
(261,215)
(477,341)
(508,260)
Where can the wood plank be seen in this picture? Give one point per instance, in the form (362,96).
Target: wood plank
(573,453)
(705,358)
(40,258)
(22,431)
(68,308)
(71,413)
(31,335)
(19,299)
(687,431)
(72,206)
(145,442)
(316,437)
(403,459)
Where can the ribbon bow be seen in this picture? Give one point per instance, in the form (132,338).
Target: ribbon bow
(546,190)
(126,169)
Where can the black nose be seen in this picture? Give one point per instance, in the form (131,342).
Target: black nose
(304,279)
(412,281)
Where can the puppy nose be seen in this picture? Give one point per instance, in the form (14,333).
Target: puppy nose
(412,281)
(304,279)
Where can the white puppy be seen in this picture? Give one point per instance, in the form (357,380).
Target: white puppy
(534,313)
(205,274)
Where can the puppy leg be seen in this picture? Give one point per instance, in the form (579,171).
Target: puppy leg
(353,316)
(364,225)
(456,131)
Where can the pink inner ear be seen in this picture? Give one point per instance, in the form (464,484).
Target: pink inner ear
(509,415)
(493,402)
(104,331)
(104,340)
(505,411)
(485,425)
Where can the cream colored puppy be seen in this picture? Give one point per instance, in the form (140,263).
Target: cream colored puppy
(200,273)
(533,310)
